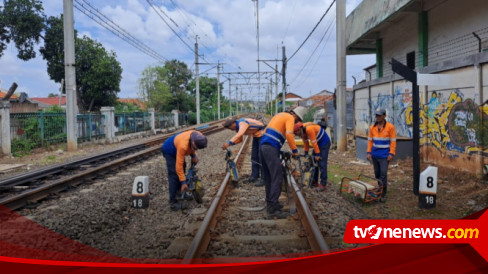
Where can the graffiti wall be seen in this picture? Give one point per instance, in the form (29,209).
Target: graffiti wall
(398,107)
(362,116)
(452,121)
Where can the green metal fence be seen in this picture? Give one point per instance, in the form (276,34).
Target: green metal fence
(90,126)
(39,128)
(126,123)
(164,120)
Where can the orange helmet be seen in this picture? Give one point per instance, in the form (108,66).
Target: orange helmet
(297,127)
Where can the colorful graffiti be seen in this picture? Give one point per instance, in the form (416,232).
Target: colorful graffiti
(452,123)
(402,106)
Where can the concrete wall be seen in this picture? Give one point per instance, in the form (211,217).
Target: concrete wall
(450,31)
(369,14)
(398,40)
(453,119)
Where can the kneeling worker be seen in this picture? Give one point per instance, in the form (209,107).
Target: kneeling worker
(281,125)
(174,151)
(321,146)
(247,126)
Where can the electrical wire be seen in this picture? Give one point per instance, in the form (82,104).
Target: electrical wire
(111,26)
(310,34)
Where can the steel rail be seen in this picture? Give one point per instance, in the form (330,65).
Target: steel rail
(28,177)
(33,195)
(314,235)
(202,238)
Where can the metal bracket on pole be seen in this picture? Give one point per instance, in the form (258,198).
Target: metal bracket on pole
(410,75)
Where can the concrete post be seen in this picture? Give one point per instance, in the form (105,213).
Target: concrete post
(175,117)
(109,129)
(341,108)
(70,75)
(152,121)
(5,127)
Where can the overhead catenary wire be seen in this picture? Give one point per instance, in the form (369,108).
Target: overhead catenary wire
(327,31)
(108,24)
(310,34)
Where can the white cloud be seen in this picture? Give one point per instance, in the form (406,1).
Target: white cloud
(227,32)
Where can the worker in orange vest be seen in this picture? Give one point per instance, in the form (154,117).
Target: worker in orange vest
(279,130)
(174,151)
(381,148)
(321,146)
(254,128)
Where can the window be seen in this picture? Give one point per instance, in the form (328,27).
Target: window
(411,60)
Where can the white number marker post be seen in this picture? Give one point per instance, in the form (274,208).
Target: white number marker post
(140,192)
(428,187)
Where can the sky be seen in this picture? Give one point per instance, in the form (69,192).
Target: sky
(227,34)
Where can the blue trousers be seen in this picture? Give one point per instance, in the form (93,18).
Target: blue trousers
(174,181)
(381,172)
(272,173)
(256,161)
(324,154)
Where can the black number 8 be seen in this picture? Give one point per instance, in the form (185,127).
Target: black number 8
(140,189)
(430,182)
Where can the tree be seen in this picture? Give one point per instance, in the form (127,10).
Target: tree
(164,88)
(98,73)
(22,22)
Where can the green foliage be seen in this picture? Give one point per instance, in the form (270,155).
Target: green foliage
(22,147)
(126,107)
(165,88)
(22,22)
(98,73)
(309,116)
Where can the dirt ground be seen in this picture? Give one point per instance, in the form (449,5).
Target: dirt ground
(458,195)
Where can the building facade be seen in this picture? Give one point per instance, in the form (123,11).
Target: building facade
(446,37)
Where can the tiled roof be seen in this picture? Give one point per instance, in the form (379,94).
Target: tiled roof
(133,101)
(50,101)
(2,94)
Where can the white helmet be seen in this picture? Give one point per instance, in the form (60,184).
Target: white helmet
(300,112)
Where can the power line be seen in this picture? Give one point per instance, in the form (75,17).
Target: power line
(333,1)
(94,14)
(151,4)
(315,49)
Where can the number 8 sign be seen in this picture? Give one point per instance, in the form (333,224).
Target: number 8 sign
(428,188)
(140,192)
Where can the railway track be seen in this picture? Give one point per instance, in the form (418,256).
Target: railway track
(237,225)
(231,222)
(28,188)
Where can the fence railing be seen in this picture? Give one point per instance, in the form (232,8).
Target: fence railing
(126,123)
(45,128)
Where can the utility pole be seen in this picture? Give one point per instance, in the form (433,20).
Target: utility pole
(341,75)
(197,80)
(70,74)
(276,85)
(284,77)
(257,38)
(230,101)
(61,92)
(237,101)
(218,90)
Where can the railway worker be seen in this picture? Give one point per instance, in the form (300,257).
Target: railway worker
(381,148)
(174,151)
(279,129)
(251,127)
(321,145)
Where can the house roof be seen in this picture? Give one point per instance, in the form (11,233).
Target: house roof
(133,101)
(292,95)
(50,101)
(2,95)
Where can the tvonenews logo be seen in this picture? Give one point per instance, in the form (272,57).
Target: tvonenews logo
(375,232)
(472,232)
